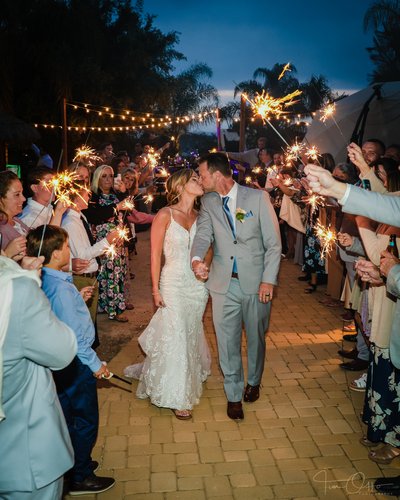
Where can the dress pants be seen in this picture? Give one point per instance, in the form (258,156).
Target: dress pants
(77,392)
(230,311)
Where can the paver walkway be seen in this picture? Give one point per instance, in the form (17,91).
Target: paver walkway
(300,440)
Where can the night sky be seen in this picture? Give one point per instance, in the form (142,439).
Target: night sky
(236,37)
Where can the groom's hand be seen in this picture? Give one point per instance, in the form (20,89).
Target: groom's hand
(265,292)
(200,270)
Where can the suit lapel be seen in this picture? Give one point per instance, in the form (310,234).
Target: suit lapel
(241,202)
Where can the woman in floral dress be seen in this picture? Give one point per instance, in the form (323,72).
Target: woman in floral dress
(113,266)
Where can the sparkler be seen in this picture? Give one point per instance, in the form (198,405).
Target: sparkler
(327,238)
(327,112)
(312,153)
(285,69)
(123,233)
(148,198)
(293,152)
(87,156)
(248,180)
(315,201)
(266,106)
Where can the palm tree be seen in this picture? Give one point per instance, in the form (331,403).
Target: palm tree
(383,17)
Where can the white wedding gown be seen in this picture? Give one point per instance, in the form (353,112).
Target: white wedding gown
(177,355)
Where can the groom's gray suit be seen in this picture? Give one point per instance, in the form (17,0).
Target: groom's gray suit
(256,247)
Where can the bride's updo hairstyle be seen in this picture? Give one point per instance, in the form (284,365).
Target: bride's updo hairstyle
(175,184)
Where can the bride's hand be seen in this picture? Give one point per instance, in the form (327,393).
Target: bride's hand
(158,300)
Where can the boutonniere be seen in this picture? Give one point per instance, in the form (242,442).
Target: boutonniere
(242,215)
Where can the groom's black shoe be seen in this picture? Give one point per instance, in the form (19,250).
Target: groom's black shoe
(388,486)
(235,411)
(252,393)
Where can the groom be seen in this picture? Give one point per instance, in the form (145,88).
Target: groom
(241,225)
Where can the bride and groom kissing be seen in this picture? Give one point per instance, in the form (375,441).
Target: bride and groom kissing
(230,249)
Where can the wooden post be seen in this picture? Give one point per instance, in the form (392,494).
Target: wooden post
(64,144)
(242,136)
(219,145)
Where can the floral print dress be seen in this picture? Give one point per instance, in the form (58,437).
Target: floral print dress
(113,269)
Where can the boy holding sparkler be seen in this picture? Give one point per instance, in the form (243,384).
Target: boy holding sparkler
(76,384)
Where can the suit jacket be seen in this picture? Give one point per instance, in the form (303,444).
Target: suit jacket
(257,247)
(380,207)
(34,440)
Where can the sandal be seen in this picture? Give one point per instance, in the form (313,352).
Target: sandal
(311,289)
(359,385)
(118,318)
(182,414)
(350,327)
(384,455)
(366,442)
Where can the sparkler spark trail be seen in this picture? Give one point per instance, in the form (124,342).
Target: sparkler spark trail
(128,204)
(148,198)
(312,153)
(267,107)
(327,238)
(327,112)
(314,200)
(293,152)
(285,69)
(111,252)
(86,155)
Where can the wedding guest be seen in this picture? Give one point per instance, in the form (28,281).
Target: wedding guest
(38,209)
(113,268)
(35,444)
(105,152)
(250,156)
(83,246)
(11,202)
(76,384)
(393,152)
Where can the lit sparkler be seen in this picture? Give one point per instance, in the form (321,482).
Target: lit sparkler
(315,201)
(327,112)
(128,204)
(285,69)
(248,180)
(293,152)
(123,233)
(111,252)
(288,182)
(148,198)
(312,153)
(327,238)
(87,156)
(267,107)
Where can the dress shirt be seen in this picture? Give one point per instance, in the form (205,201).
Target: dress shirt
(79,241)
(68,305)
(35,214)
(343,200)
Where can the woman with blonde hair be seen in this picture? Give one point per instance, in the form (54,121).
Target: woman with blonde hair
(113,269)
(177,356)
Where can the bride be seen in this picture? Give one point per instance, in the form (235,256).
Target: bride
(177,355)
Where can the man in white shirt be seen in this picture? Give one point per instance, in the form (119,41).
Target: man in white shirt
(38,210)
(251,155)
(82,245)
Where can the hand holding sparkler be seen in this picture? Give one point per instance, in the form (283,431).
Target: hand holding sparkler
(356,157)
(345,240)
(322,182)
(79,265)
(87,292)
(368,272)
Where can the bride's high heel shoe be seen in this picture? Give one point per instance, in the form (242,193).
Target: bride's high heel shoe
(182,414)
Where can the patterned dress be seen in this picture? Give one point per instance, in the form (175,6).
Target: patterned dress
(113,269)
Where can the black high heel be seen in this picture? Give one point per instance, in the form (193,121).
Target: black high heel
(311,289)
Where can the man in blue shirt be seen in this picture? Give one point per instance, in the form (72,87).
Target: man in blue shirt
(76,384)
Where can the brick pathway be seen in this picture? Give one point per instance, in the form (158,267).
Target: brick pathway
(300,440)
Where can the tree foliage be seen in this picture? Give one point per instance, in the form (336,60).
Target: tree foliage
(383,18)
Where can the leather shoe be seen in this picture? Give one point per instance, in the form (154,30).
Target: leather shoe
(348,354)
(235,411)
(92,484)
(252,393)
(350,337)
(355,366)
(94,464)
(388,485)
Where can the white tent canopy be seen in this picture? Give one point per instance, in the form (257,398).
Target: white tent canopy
(383,120)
